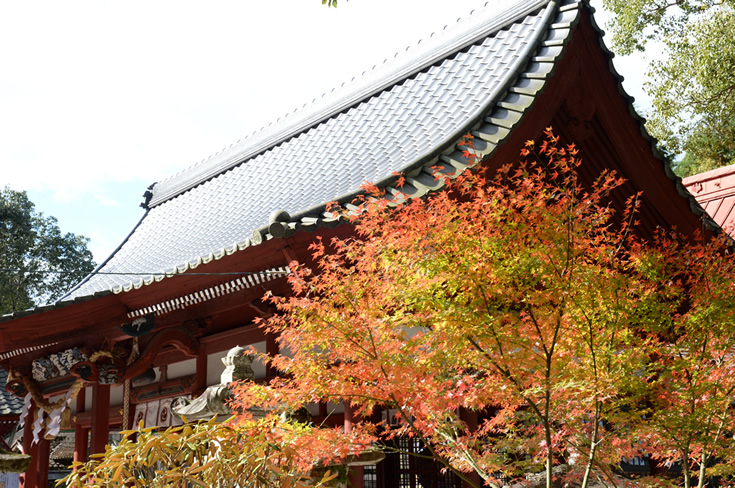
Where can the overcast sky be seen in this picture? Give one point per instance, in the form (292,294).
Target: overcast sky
(99,99)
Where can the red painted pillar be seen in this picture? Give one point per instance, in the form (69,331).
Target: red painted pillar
(201,382)
(81,444)
(100,418)
(356,472)
(28,479)
(42,462)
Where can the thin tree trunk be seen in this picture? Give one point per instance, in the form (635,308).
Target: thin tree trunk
(547,426)
(549,458)
(702,468)
(593,447)
(685,469)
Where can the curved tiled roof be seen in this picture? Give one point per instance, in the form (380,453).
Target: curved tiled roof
(481,74)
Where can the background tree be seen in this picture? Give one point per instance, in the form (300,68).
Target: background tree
(693,82)
(38,263)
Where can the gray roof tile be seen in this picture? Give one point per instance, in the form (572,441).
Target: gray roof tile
(396,118)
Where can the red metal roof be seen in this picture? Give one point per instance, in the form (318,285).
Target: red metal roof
(715,192)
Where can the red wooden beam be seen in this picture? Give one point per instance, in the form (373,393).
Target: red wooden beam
(178,337)
(84,419)
(201,372)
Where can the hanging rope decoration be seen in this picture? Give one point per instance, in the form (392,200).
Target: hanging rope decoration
(58,413)
(128,383)
(37,396)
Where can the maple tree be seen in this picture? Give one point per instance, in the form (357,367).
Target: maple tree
(691,376)
(512,296)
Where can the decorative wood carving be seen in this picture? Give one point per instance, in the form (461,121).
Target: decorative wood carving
(86,371)
(104,374)
(116,371)
(140,326)
(178,337)
(16,387)
(57,364)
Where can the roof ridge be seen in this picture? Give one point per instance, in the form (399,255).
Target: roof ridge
(452,38)
(709,175)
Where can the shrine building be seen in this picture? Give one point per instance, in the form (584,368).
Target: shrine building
(154,320)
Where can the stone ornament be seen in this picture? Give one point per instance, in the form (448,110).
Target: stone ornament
(213,402)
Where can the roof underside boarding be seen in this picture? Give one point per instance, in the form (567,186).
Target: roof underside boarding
(223,205)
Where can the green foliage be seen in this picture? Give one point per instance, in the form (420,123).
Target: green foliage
(205,454)
(636,22)
(693,82)
(32,246)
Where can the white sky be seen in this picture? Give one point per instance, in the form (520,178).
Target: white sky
(99,99)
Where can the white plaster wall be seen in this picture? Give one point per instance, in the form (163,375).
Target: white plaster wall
(332,409)
(313,409)
(182,368)
(116,397)
(335,408)
(258,366)
(215,366)
(87,399)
